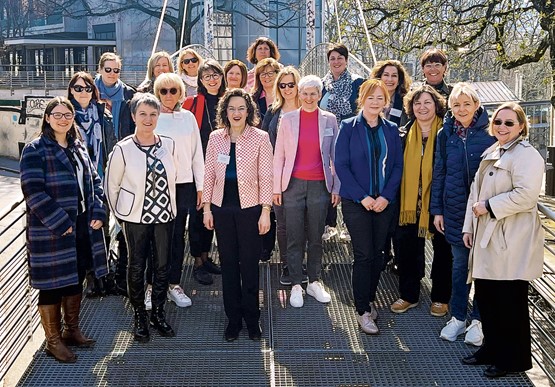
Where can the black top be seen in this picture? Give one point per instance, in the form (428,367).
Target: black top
(208,119)
(231,189)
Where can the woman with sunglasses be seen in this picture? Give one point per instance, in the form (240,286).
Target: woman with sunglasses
(159,63)
(65,214)
(287,100)
(211,87)
(188,64)
(504,233)
(235,74)
(263,91)
(180,125)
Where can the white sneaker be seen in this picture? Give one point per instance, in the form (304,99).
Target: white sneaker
(148,297)
(329,232)
(453,329)
(177,295)
(474,335)
(345,236)
(367,324)
(316,290)
(373,312)
(296,298)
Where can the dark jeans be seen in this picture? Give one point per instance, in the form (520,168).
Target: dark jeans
(505,323)
(238,237)
(200,238)
(331,216)
(185,195)
(368,230)
(269,239)
(141,240)
(411,261)
(84,262)
(302,197)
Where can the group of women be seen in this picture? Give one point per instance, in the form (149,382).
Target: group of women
(406,166)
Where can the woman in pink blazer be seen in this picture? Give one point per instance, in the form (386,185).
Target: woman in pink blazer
(303,180)
(237,201)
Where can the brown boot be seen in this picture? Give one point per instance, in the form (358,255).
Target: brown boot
(72,335)
(51,319)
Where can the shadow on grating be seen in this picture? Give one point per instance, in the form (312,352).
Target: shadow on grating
(317,345)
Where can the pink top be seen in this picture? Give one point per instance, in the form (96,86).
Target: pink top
(308,163)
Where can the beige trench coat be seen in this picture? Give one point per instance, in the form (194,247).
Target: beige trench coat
(509,247)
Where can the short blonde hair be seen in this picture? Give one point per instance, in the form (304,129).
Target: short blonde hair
(368,88)
(463,88)
(520,116)
(169,80)
(180,69)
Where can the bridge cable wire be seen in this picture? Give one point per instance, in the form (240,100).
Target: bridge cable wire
(183,25)
(367,32)
(337,21)
(159,27)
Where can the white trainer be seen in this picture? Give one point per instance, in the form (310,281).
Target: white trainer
(296,299)
(367,324)
(329,232)
(453,329)
(177,295)
(316,290)
(373,312)
(148,297)
(474,335)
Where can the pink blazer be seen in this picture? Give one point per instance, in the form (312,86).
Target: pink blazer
(254,167)
(287,143)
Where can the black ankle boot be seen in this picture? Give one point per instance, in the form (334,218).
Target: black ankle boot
(158,321)
(141,333)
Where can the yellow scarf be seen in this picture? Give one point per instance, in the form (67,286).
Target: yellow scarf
(416,165)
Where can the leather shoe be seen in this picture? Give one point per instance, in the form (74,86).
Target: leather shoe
(474,361)
(158,321)
(494,372)
(211,267)
(232,332)
(255,332)
(202,276)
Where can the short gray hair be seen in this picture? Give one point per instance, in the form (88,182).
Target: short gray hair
(463,88)
(144,98)
(311,81)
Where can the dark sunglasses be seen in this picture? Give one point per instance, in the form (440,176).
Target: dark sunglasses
(189,60)
(508,124)
(109,70)
(79,89)
(289,85)
(172,91)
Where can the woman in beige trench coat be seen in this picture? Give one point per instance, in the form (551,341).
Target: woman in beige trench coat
(504,232)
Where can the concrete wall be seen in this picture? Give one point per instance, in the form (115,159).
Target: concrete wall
(12,133)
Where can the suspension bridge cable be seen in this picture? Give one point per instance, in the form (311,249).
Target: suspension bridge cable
(367,32)
(159,27)
(337,20)
(183,25)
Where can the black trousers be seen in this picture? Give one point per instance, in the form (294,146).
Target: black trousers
(84,263)
(331,216)
(185,196)
(505,323)
(269,239)
(239,247)
(200,238)
(141,240)
(368,230)
(411,261)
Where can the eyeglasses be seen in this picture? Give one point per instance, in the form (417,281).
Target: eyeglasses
(241,110)
(189,60)
(109,70)
(508,124)
(58,116)
(79,89)
(209,77)
(172,91)
(435,66)
(269,74)
(289,85)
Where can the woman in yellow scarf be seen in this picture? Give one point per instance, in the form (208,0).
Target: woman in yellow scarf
(425,108)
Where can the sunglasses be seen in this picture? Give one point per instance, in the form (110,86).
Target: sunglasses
(79,89)
(289,85)
(58,116)
(172,91)
(508,124)
(109,70)
(189,60)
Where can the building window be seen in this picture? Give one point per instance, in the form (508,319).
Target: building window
(223,36)
(105,31)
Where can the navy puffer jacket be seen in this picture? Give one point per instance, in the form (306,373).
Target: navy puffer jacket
(455,164)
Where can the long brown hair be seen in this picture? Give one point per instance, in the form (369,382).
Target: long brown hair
(46,129)
(89,81)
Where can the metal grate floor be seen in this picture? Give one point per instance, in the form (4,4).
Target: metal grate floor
(317,345)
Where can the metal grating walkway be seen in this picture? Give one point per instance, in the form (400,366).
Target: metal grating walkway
(317,345)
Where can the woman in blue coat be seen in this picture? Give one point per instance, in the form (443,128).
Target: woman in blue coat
(65,214)
(460,143)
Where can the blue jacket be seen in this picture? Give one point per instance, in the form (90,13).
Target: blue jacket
(455,164)
(352,158)
(50,190)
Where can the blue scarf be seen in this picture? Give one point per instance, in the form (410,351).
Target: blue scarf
(90,128)
(113,94)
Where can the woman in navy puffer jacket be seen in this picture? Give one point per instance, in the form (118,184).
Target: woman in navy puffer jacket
(459,147)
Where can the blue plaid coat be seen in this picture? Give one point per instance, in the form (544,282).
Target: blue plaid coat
(50,189)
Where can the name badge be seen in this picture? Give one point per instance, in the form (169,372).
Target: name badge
(177,115)
(395,112)
(224,159)
(328,132)
(160,153)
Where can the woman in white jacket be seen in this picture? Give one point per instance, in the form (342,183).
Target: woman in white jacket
(504,232)
(140,188)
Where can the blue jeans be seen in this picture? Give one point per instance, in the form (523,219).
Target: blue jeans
(460,289)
